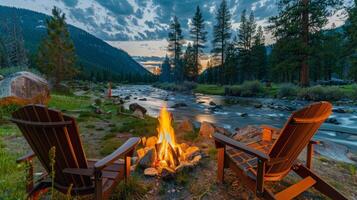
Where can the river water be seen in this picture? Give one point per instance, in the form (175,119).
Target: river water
(335,144)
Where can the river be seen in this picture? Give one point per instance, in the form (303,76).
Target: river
(248,111)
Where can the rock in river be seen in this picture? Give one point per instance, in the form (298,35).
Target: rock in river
(178,105)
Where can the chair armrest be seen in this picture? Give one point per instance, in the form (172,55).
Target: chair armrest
(29,156)
(126,148)
(79,171)
(240,146)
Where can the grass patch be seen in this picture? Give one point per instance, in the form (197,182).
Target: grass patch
(9,130)
(12,175)
(63,102)
(138,127)
(110,145)
(133,188)
(209,89)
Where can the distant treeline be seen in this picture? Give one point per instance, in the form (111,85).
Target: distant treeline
(303,51)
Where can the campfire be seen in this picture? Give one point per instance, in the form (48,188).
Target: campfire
(162,154)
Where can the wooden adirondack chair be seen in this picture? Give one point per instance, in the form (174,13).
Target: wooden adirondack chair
(44,129)
(275,155)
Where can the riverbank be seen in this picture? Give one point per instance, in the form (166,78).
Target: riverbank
(103,129)
(279,91)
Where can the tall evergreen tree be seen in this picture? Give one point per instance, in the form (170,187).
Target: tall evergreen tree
(3,56)
(296,25)
(165,75)
(222,32)
(176,42)
(351,45)
(56,55)
(13,42)
(259,55)
(198,35)
(190,64)
(245,43)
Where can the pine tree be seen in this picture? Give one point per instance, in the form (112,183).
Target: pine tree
(245,43)
(259,55)
(222,32)
(165,70)
(176,42)
(296,25)
(351,44)
(231,66)
(3,56)
(190,65)
(56,56)
(198,35)
(13,42)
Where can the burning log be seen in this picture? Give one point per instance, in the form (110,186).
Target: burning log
(163,154)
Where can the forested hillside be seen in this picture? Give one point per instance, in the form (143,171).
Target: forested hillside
(95,57)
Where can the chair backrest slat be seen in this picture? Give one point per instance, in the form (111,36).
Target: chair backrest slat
(296,134)
(65,139)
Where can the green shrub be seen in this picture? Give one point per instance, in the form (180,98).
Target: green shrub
(353,94)
(320,93)
(287,90)
(235,90)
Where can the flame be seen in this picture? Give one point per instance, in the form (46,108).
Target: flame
(169,150)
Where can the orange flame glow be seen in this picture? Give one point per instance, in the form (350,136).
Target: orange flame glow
(169,150)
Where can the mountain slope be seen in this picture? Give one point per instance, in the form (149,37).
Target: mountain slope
(93,53)
(145,19)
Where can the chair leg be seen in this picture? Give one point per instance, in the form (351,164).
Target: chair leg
(98,185)
(220,162)
(38,190)
(320,185)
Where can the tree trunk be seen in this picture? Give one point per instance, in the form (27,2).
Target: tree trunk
(304,75)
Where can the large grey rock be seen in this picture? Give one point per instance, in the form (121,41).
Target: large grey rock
(1,77)
(25,86)
(135,106)
(207,129)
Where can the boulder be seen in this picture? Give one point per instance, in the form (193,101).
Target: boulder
(259,105)
(339,110)
(135,106)
(1,77)
(244,114)
(212,103)
(332,120)
(24,88)
(186,126)
(138,113)
(151,171)
(148,159)
(178,105)
(207,129)
(142,99)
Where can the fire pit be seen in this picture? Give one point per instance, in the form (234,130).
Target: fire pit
(162,155)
